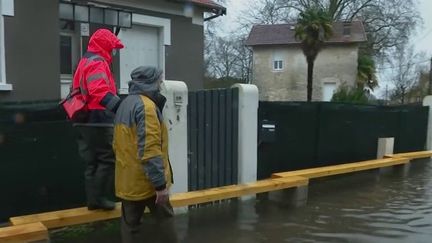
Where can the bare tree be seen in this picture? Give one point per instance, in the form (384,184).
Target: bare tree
(210,36)
(226,57)
(244,64)
(229,58)
(225,54)
(407,68)
(263,12)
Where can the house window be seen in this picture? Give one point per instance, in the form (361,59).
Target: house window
(277,65)
(69,47)
(70,53)
(6,9)
(66,55)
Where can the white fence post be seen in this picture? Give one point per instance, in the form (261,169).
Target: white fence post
(385,146)
(427,101)
(247,133)
(175,116)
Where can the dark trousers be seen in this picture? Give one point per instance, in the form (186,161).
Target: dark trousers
(153,228)
(95,147)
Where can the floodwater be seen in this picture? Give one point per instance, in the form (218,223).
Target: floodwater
(391,205)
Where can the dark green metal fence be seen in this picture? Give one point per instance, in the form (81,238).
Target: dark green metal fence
(212,138)
(40,169)
(318,134)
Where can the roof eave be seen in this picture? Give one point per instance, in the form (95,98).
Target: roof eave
(298,43)
(213,8)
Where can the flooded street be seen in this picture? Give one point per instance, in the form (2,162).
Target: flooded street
(375,206)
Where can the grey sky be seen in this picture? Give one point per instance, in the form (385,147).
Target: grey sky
(422,40)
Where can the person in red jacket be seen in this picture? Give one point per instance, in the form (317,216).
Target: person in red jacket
(94,79)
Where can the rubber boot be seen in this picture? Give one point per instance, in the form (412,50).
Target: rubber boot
(98,189)
(95,200)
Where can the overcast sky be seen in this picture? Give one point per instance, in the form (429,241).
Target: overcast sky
(422,40)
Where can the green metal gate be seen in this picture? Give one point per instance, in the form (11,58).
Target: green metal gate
(212,138)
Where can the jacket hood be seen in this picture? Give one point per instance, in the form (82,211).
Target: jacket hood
(149,90)
(102,42)
(138,87)
(145,80)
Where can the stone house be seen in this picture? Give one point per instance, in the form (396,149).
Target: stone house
(280,68)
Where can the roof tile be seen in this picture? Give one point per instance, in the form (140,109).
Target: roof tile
(284,34)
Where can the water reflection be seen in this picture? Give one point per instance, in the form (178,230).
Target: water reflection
(391,206)
(377,206)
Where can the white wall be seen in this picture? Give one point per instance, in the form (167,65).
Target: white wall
(175,116)
(247,133)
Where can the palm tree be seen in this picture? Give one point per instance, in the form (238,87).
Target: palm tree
(366,72)
(314,26)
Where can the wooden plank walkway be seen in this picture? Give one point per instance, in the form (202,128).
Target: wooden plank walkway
(24,233)
(67,217)
(343,168)
(75,216)
(411,155)
(226,192)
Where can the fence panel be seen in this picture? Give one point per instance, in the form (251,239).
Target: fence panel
(212,138)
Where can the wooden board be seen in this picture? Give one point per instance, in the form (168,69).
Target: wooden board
(67,217)
(413,155)
(82,215)
(343,168)
(226,192)
(24,233)
(387,156)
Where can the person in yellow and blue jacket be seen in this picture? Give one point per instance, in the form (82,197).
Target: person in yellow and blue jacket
(143,173)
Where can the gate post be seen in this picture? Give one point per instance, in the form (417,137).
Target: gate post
(247,133)
(385,147)
(427,101)
(175,117)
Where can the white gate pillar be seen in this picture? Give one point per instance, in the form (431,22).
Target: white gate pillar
(175,117)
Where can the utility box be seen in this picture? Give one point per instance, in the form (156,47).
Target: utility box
(267,132)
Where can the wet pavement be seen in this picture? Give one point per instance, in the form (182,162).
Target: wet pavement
(391,205)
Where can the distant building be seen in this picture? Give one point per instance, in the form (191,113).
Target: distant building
(280,68)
